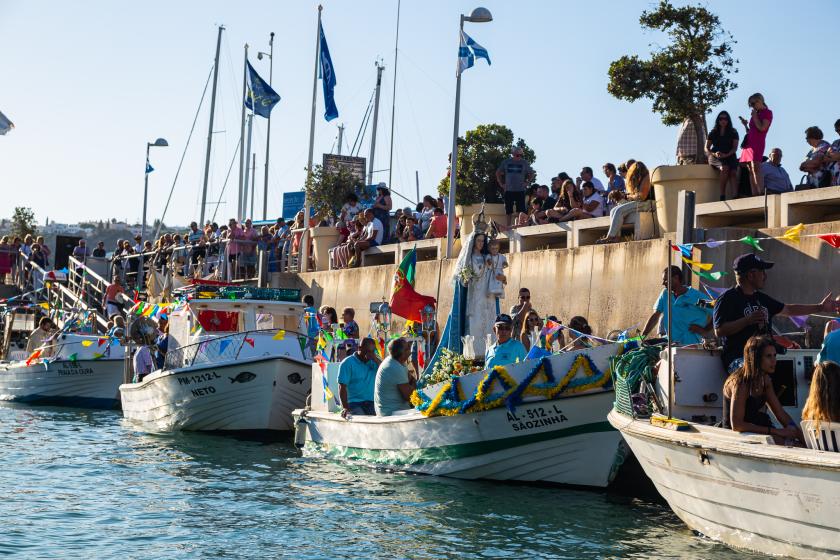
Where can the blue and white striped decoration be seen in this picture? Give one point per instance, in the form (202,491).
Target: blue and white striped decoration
(468,50)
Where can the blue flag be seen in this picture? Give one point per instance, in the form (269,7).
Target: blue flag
(468,50)
(5,124)
(259,97)
(328,78)
(149,167)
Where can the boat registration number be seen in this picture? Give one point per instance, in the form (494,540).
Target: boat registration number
(73,368)
(535,417)
(201,378)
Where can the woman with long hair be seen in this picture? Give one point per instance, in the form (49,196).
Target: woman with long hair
(823,403)
(721,145)
(749,388)
(532,319)
(636,200)
(758,125)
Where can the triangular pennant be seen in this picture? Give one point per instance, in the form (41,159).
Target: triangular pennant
(33,356)
(279,335)
(250,341)
(102,341)
(222,345)
(73,357)
(87,343)
(717,275)
(792,234)
(751,241)
(686,249)
(98,356)
(700,265)
(711,243)
(832,239)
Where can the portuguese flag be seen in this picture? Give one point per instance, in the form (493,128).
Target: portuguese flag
(405,302)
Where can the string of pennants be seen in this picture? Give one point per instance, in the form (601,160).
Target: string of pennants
(704,270)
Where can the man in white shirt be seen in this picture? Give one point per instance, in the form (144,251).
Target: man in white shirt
(371,236)
(587,176)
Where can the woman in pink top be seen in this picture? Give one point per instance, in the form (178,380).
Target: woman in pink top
(753,145)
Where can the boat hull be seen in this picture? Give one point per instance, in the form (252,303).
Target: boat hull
(748,495)
(254,394)
(564,441)
(78,383)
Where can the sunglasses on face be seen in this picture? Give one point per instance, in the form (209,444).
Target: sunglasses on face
(524,297)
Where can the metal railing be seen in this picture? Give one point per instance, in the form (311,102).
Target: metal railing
(214,350)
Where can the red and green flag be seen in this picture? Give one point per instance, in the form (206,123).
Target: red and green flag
(406,302)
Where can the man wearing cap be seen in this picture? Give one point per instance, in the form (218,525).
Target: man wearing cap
(513,175)
(744,310)
(689,321)
(507,350)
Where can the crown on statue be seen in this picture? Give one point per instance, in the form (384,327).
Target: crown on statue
(483,227)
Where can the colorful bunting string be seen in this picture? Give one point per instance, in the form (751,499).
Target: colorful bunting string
(250,341)
(751,241)
(698,264)
(87,343)
(717,275)
(279,335)
(792,234)
(832,239)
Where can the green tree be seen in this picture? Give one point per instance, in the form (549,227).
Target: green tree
(23,222)
(480,152)
(326,189)
(684,78)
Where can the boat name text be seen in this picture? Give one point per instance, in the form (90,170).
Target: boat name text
(535,417)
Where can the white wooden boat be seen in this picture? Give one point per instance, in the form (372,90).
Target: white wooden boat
(740,489)
(244,370)
(73,370)
(563,439)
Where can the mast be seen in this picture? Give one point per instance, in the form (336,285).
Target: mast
(394,98)
(379,69)
(253,181)
(247,169)
(268,126)
(340,137)
(210,128)
(243,163)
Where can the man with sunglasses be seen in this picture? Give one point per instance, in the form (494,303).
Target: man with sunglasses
(507,350)
(744,310)
(521,309)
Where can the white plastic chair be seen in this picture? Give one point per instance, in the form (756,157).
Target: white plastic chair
(826,437)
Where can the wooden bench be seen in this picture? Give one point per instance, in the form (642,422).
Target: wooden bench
(588,231)
(381,254)
(810,206)
(543,236)
(741,212)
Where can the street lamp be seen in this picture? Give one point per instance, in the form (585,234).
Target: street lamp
(478,15)
(159,143)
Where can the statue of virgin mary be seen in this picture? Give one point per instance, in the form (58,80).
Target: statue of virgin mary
(473,273)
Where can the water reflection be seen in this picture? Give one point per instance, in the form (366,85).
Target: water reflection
(84,481)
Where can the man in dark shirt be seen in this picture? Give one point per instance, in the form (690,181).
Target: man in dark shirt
(744,311)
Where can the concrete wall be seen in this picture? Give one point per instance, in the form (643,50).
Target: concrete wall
(614,286)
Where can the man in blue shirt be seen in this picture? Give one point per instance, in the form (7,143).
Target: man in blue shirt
(690,321)
(356,379)
(507,350)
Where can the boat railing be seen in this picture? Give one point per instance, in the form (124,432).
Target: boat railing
(219,349)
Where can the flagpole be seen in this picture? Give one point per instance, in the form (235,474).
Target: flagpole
(394,98)
(210,127)
(253,179)
(453,167)
(303,265)
(268,125)
(247,166)
(240,210)
(379,69)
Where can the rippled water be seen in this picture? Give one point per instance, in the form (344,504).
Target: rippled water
(88,483)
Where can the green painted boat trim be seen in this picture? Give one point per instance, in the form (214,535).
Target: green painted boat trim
(453,452)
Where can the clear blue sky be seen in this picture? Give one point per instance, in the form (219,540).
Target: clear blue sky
(89,83)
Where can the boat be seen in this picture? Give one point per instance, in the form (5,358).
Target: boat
(235,363)
(70,369)
(536,420)
(737,488)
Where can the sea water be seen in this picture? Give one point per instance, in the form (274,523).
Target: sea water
(87,484)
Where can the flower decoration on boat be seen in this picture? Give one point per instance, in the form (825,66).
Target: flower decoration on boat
(450,364)
(498,388)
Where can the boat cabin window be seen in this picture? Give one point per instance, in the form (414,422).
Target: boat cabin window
(219,321)
(266,320)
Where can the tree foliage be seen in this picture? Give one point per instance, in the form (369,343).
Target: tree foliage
(326,190)
(480,152)
(23,222)
(686,77)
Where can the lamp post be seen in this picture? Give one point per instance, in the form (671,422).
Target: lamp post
(478,15)
(159,143)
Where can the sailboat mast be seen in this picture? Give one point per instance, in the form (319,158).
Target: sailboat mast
(210,128)
(394,99)
(379,69)
(243,163)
